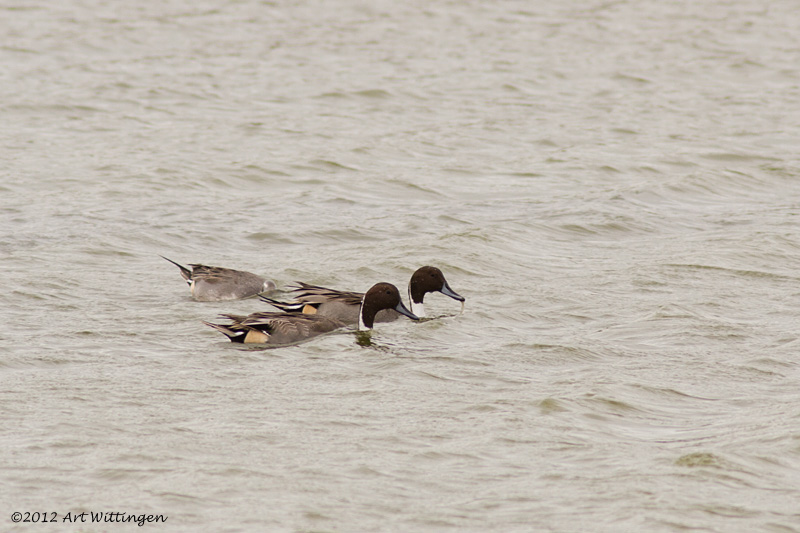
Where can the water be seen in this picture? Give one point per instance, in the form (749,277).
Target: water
(612,186)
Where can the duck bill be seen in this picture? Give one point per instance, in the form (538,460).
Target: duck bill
(447,291)
(403,310)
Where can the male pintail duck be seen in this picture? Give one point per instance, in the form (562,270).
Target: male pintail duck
(343,305)
(290,328)
(213,284)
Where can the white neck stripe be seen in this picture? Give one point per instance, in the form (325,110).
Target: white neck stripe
(416,308)
(361,325)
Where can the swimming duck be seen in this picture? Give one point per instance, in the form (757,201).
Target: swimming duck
(213,284)
(289,328)
(343,305)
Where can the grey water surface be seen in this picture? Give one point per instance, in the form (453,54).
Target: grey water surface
(613,186)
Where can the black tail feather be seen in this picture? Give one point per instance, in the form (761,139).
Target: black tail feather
(185,272)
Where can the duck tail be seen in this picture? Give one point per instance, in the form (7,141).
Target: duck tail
(232,334)
(185,272)
(284,306)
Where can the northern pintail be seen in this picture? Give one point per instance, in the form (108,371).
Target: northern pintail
(343,305)
(214,284)
(290,328)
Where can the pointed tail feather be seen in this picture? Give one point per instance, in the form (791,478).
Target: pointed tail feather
(185,272)
(236,320)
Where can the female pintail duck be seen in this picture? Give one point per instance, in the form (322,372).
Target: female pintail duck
(289,328)
(214,284)
(343,305)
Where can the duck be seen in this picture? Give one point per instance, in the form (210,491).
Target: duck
(277,327)
(344,305)
(216,284)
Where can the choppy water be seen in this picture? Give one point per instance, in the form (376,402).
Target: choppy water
(614,187)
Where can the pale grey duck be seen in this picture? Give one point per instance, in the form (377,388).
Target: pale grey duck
(215,284)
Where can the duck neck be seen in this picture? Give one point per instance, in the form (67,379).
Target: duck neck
(417,307)
(366,317)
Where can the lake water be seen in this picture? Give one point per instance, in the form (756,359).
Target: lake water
(613,186)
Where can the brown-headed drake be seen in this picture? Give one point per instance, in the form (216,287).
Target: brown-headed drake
(344,305)
(294,327)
